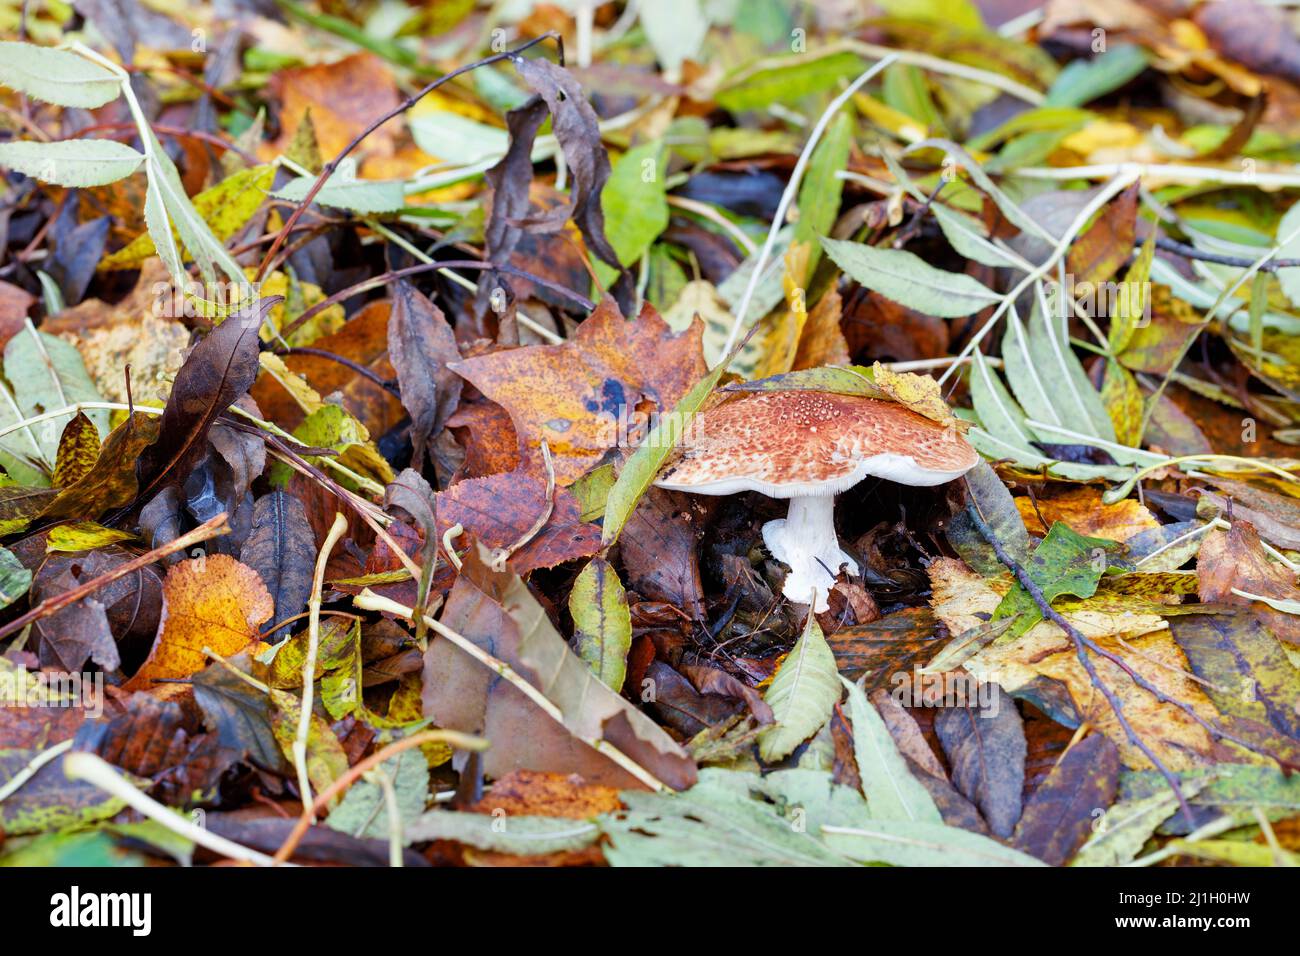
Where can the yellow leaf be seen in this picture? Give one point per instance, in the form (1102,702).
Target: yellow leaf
(225,207)
(78,451)
(212,601)
(920,393)
(83,536)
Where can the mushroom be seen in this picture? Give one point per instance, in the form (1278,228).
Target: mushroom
(809,446)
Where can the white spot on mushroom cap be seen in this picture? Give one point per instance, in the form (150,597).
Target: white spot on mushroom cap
(796,443)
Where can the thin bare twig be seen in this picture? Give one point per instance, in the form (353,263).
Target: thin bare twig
(212,528)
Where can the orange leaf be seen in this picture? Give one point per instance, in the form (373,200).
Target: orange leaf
(584,397)
(211,601)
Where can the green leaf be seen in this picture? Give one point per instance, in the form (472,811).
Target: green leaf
(904,843)
(15,578)
(1123,830)
(791,79)
(457,139)
(344,191)
(723,820)
(909,280)
(892,792)
(602,621)
(225,207)
(802,694)
(521,835)
(1085,80)
(634,203)
(48,373)
(363,811)
(820,192)
(841,379)
(72,162)
(964,235)
(675,29)
(642,465)
(56,76)
(1065,562)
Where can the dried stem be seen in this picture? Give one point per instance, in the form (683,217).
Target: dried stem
(450,737)
(336,531)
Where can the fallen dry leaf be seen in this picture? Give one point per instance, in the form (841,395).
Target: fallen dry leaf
(214,602)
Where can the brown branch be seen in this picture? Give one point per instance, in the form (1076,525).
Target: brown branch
(1191,252)
(212,528)
(361,370)
(1082,645)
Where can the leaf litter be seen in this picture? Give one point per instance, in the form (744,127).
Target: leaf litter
(474,313)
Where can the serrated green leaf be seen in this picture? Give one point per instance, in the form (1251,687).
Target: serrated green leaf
(802,694)
(56,76)
(72,162)
(908,279)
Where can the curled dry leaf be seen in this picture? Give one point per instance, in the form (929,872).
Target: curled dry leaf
(420,346)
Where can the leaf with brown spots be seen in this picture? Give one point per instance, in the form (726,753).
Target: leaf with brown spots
(212,602)
(78,450)
(111,483)
(579,396)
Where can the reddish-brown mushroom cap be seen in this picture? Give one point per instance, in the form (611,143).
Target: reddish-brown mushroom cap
(791,444)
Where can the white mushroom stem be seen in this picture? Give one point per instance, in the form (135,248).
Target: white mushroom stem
(805,541)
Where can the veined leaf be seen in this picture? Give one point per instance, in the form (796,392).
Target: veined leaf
(802,694)
(602,622)
(908,279)
(892,792)
(48,373)
(56,76)
(344,191)
(905,843)
(72,162)
(226,207)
